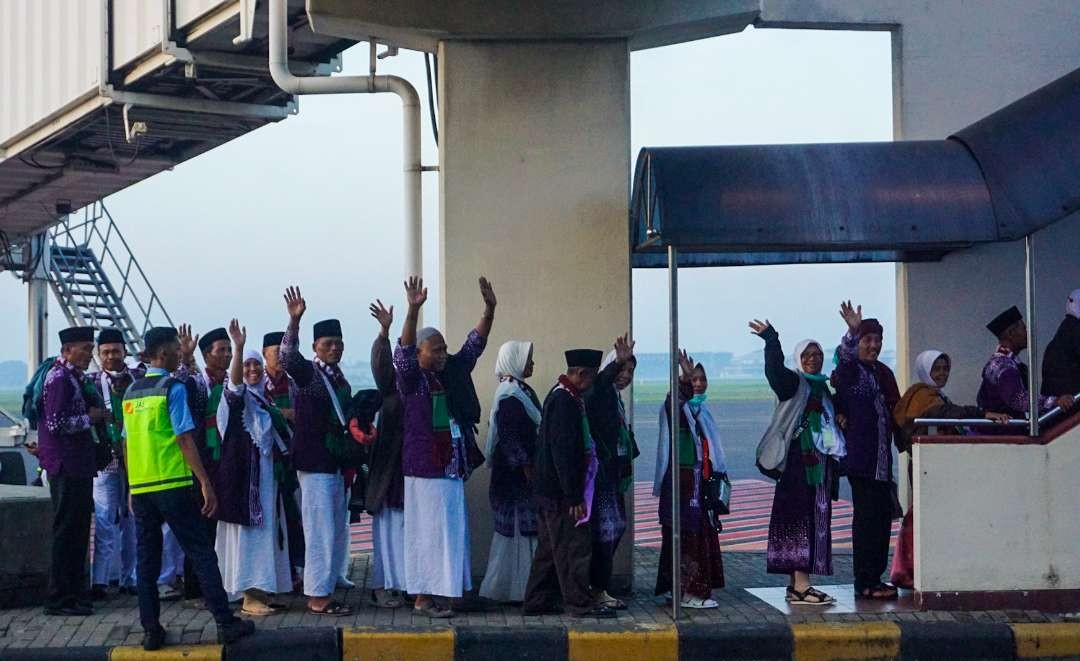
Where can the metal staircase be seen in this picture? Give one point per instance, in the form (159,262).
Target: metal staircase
(88,255)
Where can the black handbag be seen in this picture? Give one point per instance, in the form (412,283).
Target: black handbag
(716,497)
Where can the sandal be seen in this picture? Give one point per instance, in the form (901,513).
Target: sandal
(385,599)
(433,610)
(810,597)
(880,592)
(605,599)
(698,603)
(333,609)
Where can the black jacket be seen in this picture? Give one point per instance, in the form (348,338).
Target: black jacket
(601,403)
(386,482)
(559,466)
(1061,363)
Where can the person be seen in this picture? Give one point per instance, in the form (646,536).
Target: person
(385,496)
(1004,385)
(615,451)
(866,395)
(280,391)
(163,465)
(318,447)
(1061,362)
(925,399)
(251,544)
(69,410)
(114,526)
(437,453)
(800,527)
(700,455)
(204,388)
(564,472)
(511,447)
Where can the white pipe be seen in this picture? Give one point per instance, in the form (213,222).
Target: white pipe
(37,304)
(410,104)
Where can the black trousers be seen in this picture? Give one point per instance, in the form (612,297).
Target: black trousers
(176,507)
(73,508)
(560,567)
(192,586)
(871,529)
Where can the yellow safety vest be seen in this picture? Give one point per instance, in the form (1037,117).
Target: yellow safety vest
(154,459)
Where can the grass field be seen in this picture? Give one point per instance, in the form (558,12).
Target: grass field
(733,390)
(11,401)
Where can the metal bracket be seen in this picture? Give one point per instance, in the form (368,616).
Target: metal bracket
(133,131)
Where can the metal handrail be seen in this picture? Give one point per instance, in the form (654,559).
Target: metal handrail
(982,422)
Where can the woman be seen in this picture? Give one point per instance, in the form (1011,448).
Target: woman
(252,540)
(925,399)
(800,448)
(615,449)
(700,455)
(515,417)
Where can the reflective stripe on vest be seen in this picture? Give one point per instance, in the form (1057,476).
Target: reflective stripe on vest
(154,459)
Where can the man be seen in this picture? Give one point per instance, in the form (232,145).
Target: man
(385,497)
(1061,363)
(204,389)
(162,458)
(438,452)
(281,390)
(615,450)
(114,526)
(318,447)
(66,450)
(1005,379)
(866,395)
(564,472)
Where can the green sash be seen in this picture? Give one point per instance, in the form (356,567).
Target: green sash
(213,437)
(335,438)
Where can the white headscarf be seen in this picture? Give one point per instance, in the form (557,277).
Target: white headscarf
(608,359)
(510,370)
(924,363)
(801,348)
(1072,305)
(256,419)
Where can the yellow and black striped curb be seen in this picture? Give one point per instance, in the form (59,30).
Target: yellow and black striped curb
(798,642)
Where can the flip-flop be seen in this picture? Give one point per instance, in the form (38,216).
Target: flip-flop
(385,600)
(433,610)
(332,609)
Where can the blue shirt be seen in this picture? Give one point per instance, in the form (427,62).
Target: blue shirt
(179,413)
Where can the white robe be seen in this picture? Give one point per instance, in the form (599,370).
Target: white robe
(437,536)
(325,515)
(388,560)
(509,564)
(250,557)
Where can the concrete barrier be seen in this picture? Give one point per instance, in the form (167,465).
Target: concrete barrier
(25,545)
(690,642)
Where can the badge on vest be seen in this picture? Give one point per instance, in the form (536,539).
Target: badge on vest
(455,430)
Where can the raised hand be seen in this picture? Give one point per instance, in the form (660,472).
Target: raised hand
(238,334)
(188,343)
(624,348)
(295,304)
(415,292)
(686,364)
(852,315)
(381,314)
(758,327)
(1000,418)
(487,293)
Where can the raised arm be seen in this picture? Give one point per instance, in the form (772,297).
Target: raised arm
(849,345)
(188,342)
(624,351)
(291,359)
(483,327)
(239,339)
(382,355)
(415,295)
(783,381)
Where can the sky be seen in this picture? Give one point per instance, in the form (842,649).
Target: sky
(226,232)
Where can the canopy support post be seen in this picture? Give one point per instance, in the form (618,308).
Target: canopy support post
(1033,350)
(673,417)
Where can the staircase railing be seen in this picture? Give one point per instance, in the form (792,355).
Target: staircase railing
(88,255)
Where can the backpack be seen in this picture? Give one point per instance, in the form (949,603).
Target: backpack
(31,403)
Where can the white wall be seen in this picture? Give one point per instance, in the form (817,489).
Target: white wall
(997,517)
(535,158)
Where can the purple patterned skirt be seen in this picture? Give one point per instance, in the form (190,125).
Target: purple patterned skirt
(800,530)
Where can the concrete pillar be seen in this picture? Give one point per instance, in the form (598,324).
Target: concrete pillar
(37,304)
(535,170)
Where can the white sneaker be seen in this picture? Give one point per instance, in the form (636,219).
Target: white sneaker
(699,603)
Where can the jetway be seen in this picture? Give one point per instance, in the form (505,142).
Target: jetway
(180,77)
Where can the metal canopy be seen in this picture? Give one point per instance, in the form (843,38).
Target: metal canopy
(1000,179)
